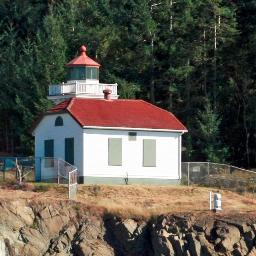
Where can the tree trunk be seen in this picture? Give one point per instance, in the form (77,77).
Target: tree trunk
(19,171)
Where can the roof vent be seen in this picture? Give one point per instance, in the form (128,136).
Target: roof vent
(107,94)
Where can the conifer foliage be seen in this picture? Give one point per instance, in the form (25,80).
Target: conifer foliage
(194,58)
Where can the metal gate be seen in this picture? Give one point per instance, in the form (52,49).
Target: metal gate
(60,171)
(72,184)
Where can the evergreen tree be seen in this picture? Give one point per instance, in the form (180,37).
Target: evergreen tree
(208,133)
(176,54)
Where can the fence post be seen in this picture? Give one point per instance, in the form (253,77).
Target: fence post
(208,168)
(188,172)
(58,167)
(69,195)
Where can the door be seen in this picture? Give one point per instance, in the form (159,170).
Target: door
(69,150)
(48,153)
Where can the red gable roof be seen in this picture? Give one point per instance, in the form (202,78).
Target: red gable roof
(83,60)
(119,113)
(60,107)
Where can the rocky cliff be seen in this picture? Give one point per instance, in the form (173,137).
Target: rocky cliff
(69,228)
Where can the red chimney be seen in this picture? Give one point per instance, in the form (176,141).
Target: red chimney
(107,94)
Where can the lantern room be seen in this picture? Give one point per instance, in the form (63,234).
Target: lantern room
(83,73)
(83,67)
(83,81)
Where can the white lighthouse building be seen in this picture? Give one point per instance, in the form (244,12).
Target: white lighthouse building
(109,140)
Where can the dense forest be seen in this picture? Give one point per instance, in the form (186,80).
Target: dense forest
(195,58)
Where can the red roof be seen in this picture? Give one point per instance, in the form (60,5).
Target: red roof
(118,113)
(83,60)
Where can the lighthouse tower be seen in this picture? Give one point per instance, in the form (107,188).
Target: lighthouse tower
(83,81)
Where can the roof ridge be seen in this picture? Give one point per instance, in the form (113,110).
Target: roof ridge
(102,99)
(72,100)
(164,110)
(70,103)
(134,113)
(55,107)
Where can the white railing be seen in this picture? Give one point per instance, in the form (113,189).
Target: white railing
(78,87)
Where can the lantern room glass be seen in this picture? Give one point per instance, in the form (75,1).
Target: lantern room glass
(83,73)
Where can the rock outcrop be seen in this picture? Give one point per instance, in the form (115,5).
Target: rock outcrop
(67,228)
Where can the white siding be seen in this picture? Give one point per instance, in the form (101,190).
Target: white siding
(47,130)
(96,154)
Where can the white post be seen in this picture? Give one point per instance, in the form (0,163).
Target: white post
(76,88)
(61,89)
(179,158)
(58,167)
(69,186)
(115,86)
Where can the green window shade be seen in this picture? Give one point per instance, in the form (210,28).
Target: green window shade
(49,148)
(115,151)
(69,150)
(49,152)
(149,153)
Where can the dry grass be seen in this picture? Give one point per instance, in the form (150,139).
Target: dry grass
(140,201)
(146,201)
(10,176)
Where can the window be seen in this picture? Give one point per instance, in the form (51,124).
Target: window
(92,73)
(82,73)
(59,121)
(77,73)
(149,153)
(115,151)
(69,150)
(49,153)
(132,136)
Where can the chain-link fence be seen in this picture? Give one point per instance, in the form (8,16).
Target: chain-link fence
(9,172)
(57,170)
(218,175)
(30,169)
(51,169)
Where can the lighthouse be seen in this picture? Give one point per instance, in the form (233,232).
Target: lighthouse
(106,139)
(83,81)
